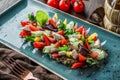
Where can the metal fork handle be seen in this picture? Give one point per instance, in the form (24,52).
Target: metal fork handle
(32,78)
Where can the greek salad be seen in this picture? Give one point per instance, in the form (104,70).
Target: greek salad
(64,41)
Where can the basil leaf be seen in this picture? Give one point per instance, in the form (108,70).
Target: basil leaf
(31,17)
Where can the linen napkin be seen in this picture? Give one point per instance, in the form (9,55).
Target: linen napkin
(38,71)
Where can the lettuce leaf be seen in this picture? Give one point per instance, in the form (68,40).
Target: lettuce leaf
(41,17)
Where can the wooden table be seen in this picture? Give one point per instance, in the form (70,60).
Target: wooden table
(90,6)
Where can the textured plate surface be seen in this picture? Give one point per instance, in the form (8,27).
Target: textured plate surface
(9,35)
(6,4)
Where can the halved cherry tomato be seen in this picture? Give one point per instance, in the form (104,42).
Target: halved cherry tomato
(80,29)
(51,39)
(87,44)
(94,54)
(57,44)
(24,23)
(64,5)
(55,55)
(95,38)
(53,3)
(38,45)
(25,33)
(82,58)
(77,65)
(61,32)
(63,41)
(53,23)
(79,6)
(47,42)
(33,28)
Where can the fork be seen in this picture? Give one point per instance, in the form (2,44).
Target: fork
(19,70)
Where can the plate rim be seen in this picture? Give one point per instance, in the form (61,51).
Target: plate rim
(12,5)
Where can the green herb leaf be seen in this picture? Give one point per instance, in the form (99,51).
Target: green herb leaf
(61,25)
(83,38)
(41,17)
(31,17)
(91,61)
(68,32)
(64,48)
(30,38)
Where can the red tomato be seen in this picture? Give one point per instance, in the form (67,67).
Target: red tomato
(53,23)
(64,5)
(77,65)
(53,3)
(81,58)
(38,45)
(25,33)
(55,55)
(47,42)
(94,54)
(24,23)
(63,41)
(73,1)
(33,28)
(80,29)
(61,32)
(57,44)
(79,6)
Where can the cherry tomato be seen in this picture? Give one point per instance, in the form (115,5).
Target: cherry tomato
(64,5)
(53,3)
(38,45)
(79,6)
(73,1)
(33,28)
(24,23)
(77,65)
(25,33)
(55,55)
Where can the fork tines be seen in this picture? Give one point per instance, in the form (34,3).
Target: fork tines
(16,68)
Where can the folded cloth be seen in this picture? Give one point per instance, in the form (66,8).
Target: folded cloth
(38,71)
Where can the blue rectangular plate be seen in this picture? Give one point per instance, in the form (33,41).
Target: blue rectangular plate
(9,35)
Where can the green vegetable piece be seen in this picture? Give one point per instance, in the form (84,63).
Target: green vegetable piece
(61,25)
(41,17)
(83,38)
(91,41)
(91,61)
(30,38)
(64,48)
(31,17)
(68,32)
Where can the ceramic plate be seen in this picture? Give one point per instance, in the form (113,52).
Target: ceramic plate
(9,35)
